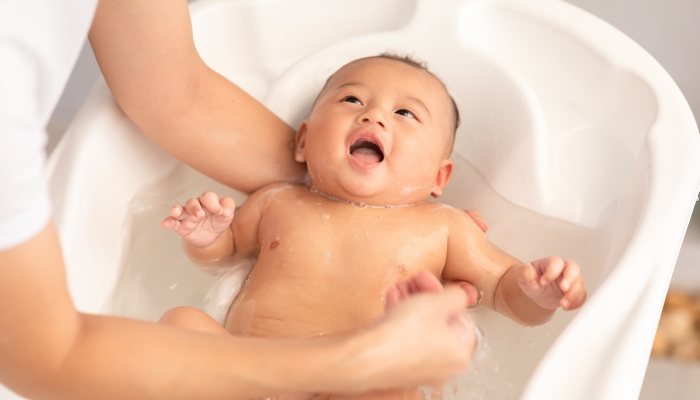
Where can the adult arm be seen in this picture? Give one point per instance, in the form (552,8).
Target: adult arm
(48,350)
(146,52)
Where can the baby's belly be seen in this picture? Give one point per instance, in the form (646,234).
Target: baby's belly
(285,307)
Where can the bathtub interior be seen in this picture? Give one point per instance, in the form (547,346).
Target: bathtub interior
(552,134)
(552,150)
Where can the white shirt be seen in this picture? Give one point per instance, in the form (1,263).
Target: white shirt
(40,41)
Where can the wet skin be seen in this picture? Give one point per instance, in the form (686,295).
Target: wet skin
(320,270)
(379,133)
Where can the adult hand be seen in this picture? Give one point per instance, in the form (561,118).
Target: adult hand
(478,219)
(423,332)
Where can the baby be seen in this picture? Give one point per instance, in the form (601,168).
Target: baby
(377,143)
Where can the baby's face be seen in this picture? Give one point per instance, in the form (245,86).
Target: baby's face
(379,133)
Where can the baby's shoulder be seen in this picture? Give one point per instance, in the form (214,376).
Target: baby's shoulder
(452,217)
(276,192)
(440,210)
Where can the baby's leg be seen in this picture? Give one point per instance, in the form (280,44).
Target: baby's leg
(192,319)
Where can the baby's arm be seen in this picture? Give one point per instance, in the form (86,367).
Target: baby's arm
(211,233)
(528,293)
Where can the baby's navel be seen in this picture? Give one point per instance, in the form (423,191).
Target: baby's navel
(274,244)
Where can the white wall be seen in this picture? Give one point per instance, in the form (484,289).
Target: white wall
(668,29)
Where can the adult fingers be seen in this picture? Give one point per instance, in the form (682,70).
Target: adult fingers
(424,281)
(393,297)
(473,295)
(478,219)
(396,294)
(449,301)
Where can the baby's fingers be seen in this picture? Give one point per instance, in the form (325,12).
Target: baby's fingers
(551,268)
(194,208)
(170,223)
(178,212)
(570,274)
(528,276)
(227,206)
(575,297)
(210,201)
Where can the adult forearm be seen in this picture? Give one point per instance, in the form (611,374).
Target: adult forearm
(50,351)
(146,52)
(512,302)
(116,358)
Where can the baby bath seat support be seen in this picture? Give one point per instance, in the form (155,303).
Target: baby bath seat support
(563,116)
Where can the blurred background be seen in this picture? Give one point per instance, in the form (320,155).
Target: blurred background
(670,31)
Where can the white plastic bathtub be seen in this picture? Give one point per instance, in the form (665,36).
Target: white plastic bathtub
(574,142)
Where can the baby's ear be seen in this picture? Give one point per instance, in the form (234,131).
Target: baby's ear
(443,177)
(300,140)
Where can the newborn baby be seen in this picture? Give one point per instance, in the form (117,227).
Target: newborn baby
(377,143)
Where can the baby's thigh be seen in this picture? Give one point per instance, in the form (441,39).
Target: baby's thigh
(192,319)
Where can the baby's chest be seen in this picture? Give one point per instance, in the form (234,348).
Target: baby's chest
(371,246)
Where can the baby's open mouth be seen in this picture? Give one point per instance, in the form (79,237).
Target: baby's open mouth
(366,152)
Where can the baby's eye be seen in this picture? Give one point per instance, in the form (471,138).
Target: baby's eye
(352,99)
(406,113)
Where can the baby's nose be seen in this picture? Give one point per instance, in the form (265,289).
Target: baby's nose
(374,115)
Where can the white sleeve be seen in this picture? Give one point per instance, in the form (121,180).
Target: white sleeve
(40,41)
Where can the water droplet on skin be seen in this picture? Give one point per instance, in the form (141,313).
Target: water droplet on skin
(326,255)
(363,205)
(325,217)
(289,249)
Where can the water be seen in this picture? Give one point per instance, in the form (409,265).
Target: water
(482,380)
(156,274)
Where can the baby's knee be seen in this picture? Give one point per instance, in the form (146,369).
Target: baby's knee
(192,319)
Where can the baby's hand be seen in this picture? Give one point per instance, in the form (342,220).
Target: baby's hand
(552,282)
(201,221)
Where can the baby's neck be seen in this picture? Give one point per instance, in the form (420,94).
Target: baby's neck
(359,204)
